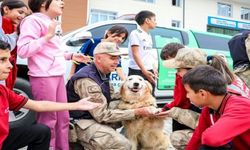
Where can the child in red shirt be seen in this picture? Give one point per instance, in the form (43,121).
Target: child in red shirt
(235,86)
(226,116)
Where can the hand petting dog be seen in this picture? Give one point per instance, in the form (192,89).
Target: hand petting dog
(146,111)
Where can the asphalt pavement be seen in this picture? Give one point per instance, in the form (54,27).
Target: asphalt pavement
(167,130)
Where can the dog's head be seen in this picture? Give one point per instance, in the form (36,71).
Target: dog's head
(135,86)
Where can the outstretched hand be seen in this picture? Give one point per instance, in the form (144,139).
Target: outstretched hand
(81,58)
(84,104)
(146,111)
(162,114)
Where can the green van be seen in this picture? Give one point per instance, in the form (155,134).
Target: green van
(210,42)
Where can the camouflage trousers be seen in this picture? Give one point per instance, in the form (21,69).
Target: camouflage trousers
(244,74)
(101,137)
(184,116)
(179,139)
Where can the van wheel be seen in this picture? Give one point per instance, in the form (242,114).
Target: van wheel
(23,116)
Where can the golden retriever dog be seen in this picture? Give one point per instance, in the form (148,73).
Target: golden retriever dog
(145,133)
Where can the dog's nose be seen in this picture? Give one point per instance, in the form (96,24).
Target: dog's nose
(136,84)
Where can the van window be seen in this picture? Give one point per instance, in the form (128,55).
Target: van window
(100,30)
(162,36)
(207,41)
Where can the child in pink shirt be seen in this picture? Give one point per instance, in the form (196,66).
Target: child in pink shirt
(46,62)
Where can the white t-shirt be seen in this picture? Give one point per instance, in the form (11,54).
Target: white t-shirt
(144,41)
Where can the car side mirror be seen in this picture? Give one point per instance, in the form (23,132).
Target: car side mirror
(79,38)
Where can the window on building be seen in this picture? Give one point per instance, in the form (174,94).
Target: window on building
(176,23)
(176,3)
(224,10)
(245,13)
(147,1)
(100,15)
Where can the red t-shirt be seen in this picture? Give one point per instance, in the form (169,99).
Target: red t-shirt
(9,28)
(9,100)
(180,95)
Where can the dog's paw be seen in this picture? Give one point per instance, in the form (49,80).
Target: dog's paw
(155,110)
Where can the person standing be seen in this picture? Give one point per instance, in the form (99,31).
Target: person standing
(46,62)
(141,47)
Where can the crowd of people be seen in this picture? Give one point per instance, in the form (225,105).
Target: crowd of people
(209,99)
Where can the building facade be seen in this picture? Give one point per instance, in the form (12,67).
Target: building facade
(220,16)
(74,15)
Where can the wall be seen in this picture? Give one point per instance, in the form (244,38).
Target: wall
(74,15)
(76,12)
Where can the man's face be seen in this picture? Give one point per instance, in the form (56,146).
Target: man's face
(5,65)
(196,98)
(107,62)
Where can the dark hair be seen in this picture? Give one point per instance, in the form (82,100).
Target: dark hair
(35,5)
(12,4)
(219,63)
(4,45)
(170,50)
(117,29)
(142,15)
(207,78)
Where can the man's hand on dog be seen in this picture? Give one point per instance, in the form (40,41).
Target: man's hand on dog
(147,111)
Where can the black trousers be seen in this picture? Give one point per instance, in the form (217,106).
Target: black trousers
(204,147)
(139,72)
(36,137)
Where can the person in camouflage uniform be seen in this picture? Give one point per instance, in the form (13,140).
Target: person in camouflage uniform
(181,109)
(95,128)
(239,47)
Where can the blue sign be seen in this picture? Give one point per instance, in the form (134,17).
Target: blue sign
(221,22)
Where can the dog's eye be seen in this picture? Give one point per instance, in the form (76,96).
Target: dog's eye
(140,79)
(130,79)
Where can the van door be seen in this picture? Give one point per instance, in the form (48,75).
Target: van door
(165,83)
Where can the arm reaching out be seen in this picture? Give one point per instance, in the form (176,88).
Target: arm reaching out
(43,106)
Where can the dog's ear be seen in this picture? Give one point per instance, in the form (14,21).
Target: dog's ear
(122,87)
(149,86)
